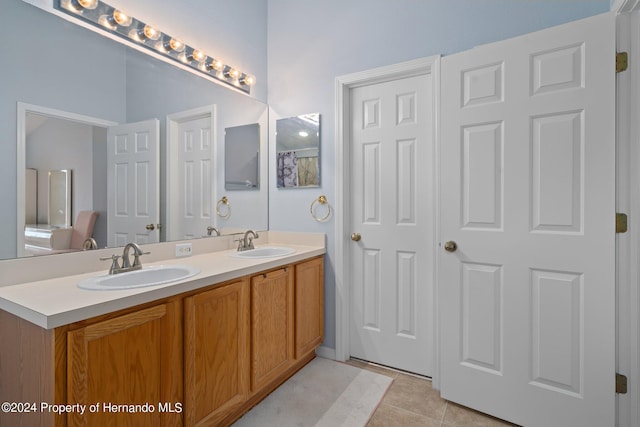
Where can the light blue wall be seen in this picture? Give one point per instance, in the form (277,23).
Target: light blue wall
(234,30)
(311,42)
(41,67)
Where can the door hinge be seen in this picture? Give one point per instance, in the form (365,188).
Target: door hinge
(621,384)
(622,61)
(621,223)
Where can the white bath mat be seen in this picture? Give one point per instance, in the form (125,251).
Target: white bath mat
(323,394)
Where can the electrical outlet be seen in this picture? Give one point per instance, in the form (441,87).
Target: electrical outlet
(183,249)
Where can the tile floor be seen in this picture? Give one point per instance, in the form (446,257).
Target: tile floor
(410,401)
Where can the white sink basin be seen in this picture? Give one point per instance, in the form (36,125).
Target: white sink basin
(147,276)
(264,252)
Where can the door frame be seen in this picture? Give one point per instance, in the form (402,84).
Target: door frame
(628,201)
(343,85)
(172,179)
(21,154)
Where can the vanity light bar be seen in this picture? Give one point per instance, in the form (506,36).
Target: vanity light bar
(128,27)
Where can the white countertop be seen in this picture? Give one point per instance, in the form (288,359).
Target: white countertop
(56,302)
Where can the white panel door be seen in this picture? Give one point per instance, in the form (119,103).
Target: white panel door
(195,177)
(390,178)
(527,193)
(133,185)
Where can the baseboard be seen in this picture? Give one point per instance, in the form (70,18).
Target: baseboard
(326,352)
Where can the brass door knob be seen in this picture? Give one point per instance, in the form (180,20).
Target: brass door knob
(450,246)
(356,237)
(150,227)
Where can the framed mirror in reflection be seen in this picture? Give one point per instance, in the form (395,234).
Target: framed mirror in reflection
(60,198)
(242,157)
(115,85)
(298,151)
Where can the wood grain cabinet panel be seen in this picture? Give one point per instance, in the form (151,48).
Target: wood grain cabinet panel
(216,353)
(309,306)
(271,326)
(29,358)
(133,359)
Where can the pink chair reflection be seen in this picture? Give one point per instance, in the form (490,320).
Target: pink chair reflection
(83,229)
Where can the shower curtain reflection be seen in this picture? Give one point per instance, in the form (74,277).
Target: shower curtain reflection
(287,169)
(308,171)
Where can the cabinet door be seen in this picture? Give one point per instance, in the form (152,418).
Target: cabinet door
(309,307)
(216,359)
(271,326)
(134,359)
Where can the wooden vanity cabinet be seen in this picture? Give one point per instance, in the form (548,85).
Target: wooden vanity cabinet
(132,359)
(309,306)
(216,353)
(272,326)
(206,356)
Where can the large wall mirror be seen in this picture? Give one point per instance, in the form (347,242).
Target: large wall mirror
(92,83)
(298,151)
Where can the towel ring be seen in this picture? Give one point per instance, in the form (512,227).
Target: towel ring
(322,200)
(223,201)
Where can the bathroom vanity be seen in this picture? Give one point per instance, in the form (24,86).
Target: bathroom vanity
(201,351)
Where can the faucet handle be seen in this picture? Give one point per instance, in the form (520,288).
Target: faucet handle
(114,263)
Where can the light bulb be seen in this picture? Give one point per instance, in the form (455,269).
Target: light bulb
(150,32)
(232,73)
(121,18)
(303,134)
(198,56)
(175,45)
(144,33)
(217,65)
(248,80)
(84,4)
(107,21)
(117,18)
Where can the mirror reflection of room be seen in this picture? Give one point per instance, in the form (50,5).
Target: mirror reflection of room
(123,90)
(59,185)
(298,151)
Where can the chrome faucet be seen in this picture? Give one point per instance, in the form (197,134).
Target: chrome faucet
(246,242)
(126,262)
(89,244)
(137,251)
